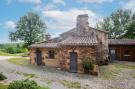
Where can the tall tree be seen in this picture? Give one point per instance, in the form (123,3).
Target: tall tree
(116,24)
(130,33)
(30,29)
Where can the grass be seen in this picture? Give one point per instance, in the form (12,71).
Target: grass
(44,88)
(29,75)
(125,66)
(71,84)
(3,86)
(109,72)
(8,54)
(49,81)
(113,87)
(19,61)
(112,70)
(134,76)
(26,74)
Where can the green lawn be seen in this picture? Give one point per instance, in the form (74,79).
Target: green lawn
(125,66)
(2,86)
(19,61)
(109,72)
(7,54)
(112,70)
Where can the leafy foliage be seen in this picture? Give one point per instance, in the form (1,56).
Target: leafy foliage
(30,29)
(25,84)
(2,77)
(13,48)
(119,24)
(87,64)
(130,33)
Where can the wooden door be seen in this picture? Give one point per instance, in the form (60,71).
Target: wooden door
(113,54)
(73,62)
(38,57)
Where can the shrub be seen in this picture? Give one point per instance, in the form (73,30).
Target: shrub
(87,64)
(2,77)
(23,84)
(13,48)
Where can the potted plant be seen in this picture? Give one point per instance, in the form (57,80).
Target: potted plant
(87,65)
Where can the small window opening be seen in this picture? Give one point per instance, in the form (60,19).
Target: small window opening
(51,54)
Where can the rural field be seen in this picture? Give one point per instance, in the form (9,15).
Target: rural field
(118,75)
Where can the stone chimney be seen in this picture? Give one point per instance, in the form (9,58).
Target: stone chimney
(82,23)
(47,37)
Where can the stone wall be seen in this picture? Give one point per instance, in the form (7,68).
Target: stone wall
(45,59)
(82,52)
(62,57)
(102,48)
(32,55)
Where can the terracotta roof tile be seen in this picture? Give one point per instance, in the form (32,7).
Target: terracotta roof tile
(81,40)
(45,45)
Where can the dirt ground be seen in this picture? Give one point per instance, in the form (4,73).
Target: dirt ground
(118,75)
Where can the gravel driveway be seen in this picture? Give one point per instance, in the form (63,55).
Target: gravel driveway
(46,76)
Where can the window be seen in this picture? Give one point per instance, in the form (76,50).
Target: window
(112,51)
(126,52)
(51,54)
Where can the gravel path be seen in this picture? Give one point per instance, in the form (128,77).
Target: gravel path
(47,76)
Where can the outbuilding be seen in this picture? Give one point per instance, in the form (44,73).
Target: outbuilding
(122,49)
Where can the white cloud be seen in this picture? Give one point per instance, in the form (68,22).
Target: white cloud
(59,2)
(94,1)
(130,5)
(36,2)
(65,20)
(10,24)
(31,1)
(50,6)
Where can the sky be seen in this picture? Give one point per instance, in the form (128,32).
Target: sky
(59,15)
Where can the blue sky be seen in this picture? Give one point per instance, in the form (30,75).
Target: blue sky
(59,15)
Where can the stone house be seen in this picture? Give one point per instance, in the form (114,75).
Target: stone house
(69,49)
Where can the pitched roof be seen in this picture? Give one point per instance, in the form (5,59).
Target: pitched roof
(80,40)
(45,45)
(121,41)
(72,31)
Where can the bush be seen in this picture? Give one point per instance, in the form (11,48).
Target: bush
(13,48)
(23,84)
(87,64)
(2,77)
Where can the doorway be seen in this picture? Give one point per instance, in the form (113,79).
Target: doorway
(73,62)
(113,54)
(38,57)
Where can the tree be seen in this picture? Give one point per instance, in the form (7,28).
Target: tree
(116,24)
(130,33)
(30,29)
